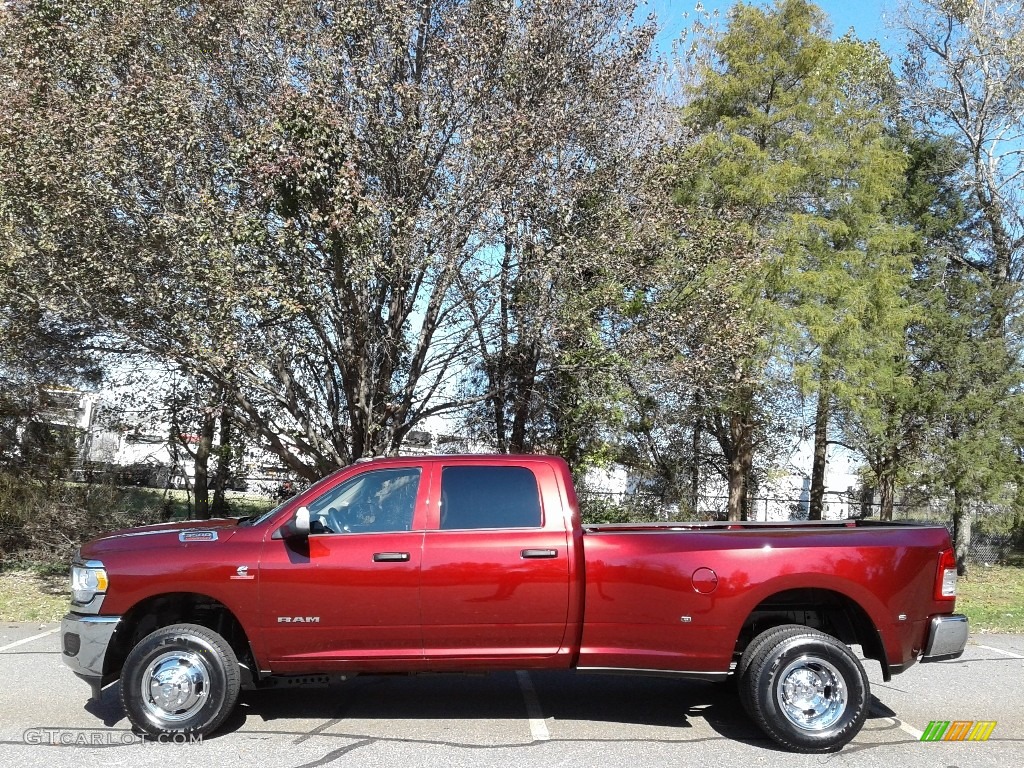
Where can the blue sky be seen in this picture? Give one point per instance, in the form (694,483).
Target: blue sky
(867,17)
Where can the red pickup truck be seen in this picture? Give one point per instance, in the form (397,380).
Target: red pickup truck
(481,563)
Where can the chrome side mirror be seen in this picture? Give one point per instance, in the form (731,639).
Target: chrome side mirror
(296,528)
(300,522)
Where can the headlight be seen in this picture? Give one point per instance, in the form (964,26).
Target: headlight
(87,580)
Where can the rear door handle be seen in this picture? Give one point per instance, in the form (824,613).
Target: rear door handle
(390,557)
(539,554)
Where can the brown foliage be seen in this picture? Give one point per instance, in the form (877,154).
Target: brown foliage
(289,200)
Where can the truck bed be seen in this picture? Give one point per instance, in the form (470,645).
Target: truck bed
(655,589)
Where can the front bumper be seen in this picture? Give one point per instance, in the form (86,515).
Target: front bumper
(84,640)
(947,638)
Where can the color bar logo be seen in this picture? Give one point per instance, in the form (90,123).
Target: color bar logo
(958,730)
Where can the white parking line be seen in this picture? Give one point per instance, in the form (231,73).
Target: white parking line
(899,723)
(1011,654)
(538,727)
(16,643)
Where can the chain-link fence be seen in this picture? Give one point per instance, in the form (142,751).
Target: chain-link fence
(997,532)
(43,517)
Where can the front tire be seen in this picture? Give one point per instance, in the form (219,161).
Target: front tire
(806,690)
(180,679)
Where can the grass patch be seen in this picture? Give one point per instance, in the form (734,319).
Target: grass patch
(993,598)
(174,503)
(28,596)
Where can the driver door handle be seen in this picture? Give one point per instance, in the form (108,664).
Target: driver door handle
(390,557)
(538,554)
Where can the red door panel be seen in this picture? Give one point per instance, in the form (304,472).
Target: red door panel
(342,598)
(348,595)
(494,591)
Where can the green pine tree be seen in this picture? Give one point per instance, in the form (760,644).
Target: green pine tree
(789,135)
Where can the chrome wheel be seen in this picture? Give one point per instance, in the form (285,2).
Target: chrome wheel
(175,685)
(811,693)
(807,690)
(183,678)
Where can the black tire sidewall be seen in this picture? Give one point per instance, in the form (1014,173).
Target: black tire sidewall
(177,638)
(749,659)
(765,681)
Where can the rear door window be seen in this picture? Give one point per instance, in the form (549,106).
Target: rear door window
(489,497)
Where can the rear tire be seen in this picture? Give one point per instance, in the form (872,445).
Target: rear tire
(756,646)
(805,689)
(180,679)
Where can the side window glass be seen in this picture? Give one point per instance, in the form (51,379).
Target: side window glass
(489,497)
(372,502)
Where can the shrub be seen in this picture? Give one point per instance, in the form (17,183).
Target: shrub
(42,521)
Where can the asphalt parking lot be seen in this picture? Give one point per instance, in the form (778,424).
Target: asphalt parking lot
(506,719)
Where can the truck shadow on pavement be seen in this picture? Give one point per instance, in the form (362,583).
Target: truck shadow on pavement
(409,708)
(644,707)
(108,707)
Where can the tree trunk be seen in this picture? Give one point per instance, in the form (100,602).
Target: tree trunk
(961,531)
(219,507)
(202,466)
(867,501)
(821,415)
(737,487)
(695,467)
(887,492)
(498,408)
(750,496)
(741,460)
(524,381)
